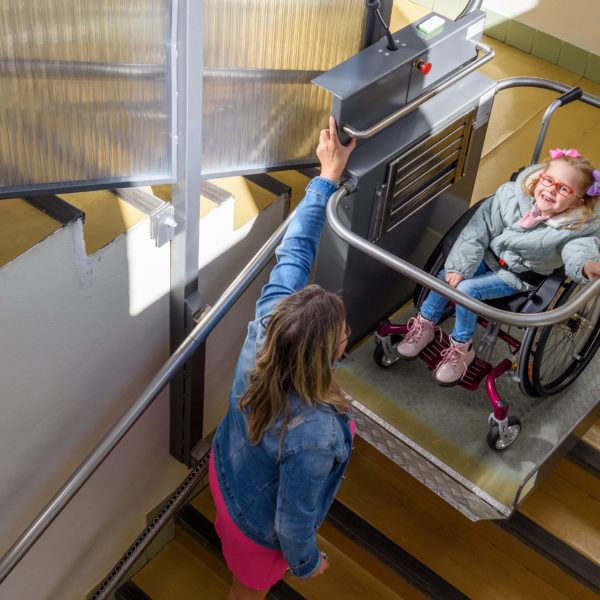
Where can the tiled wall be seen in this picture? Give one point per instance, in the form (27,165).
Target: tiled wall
(526,38)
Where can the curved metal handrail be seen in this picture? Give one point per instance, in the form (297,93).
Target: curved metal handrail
(135,411)
(405,268)
(371,131)
(472,6)
(548,84)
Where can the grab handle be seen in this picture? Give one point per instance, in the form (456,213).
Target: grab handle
(549,317)
(569,96)
(367,133)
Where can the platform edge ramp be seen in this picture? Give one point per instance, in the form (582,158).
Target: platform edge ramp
(463,495)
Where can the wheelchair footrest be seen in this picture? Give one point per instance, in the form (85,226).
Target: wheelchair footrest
(432,356)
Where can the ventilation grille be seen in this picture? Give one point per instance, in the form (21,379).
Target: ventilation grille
(421,174)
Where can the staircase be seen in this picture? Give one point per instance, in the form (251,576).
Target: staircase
(389,537)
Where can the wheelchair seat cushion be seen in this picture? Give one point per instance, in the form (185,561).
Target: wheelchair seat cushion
(534,301)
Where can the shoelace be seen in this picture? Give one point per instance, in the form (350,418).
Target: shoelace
(452,355)
(415,330)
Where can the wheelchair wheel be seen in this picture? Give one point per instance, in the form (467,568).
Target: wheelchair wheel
(495,442)
(382,358)
(552,357)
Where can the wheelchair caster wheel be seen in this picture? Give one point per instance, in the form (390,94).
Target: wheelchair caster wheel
(498,441)
(386,358)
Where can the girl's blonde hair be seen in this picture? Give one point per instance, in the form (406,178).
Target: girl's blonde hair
(585,169)
(303,335)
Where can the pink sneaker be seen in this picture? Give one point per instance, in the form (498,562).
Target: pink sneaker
(456,359)
(419,335)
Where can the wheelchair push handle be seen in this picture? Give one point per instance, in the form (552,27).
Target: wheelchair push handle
(549,317)
(570,96)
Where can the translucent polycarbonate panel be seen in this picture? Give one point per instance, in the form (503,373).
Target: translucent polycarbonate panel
(85,92)
(259,108)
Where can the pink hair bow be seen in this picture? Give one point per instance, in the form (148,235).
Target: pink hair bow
(594,189)
(557,153)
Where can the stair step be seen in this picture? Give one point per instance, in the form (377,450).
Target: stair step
(202,530)
(548,545)
(383,551)
(346,578)
(471,556)
(177,572)
(592,436)
(567,504)
(130,591)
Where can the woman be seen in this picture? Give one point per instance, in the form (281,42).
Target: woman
(281,450)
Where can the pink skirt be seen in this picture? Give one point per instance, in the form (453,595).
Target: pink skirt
(254,565)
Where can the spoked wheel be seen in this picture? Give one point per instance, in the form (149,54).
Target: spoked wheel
(555,355)
(383,358)
(496,441)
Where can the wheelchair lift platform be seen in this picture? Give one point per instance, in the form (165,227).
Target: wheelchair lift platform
(438,434)
(420,135)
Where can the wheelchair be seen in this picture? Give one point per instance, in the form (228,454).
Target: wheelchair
(544,361)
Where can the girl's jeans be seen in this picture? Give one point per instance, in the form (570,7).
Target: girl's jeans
(484,285)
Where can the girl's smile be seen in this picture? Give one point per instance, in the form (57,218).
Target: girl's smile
(547,198)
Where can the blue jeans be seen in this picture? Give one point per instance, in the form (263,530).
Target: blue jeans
(484,285)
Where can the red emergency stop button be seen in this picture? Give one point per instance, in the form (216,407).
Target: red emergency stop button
(423,66)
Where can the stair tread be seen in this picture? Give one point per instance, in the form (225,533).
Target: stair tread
(462,552)
(567,504)
(175,572)
(592,436)
(346,578)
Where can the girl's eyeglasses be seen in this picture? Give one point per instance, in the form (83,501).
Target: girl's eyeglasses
(562,188)
(347,333)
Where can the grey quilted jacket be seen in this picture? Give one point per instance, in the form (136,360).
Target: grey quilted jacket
(541,249)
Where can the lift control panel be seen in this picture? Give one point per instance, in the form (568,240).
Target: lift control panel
(377,81)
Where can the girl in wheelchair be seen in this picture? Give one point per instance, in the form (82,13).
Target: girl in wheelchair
(547,218)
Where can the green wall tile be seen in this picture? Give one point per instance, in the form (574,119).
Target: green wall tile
(496,25)
(448,8)
(520,36)
(546,46)
(573,58)
(592,71)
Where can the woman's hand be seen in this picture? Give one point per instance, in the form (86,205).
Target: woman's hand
(322,568)
(591,269)
(332,154)
(453,279)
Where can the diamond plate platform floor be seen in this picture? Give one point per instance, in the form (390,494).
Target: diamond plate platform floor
(452,423)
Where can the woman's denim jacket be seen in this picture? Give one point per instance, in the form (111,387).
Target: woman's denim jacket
(279,502)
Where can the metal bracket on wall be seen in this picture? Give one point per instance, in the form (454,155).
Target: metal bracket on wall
(161,213)
(197,306)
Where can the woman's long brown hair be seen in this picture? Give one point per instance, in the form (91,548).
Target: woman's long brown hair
(303,335)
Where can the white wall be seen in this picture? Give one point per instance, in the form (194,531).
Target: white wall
(216,271)
(73,359)
(81,337)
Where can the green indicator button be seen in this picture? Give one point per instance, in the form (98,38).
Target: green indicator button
(431,25)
